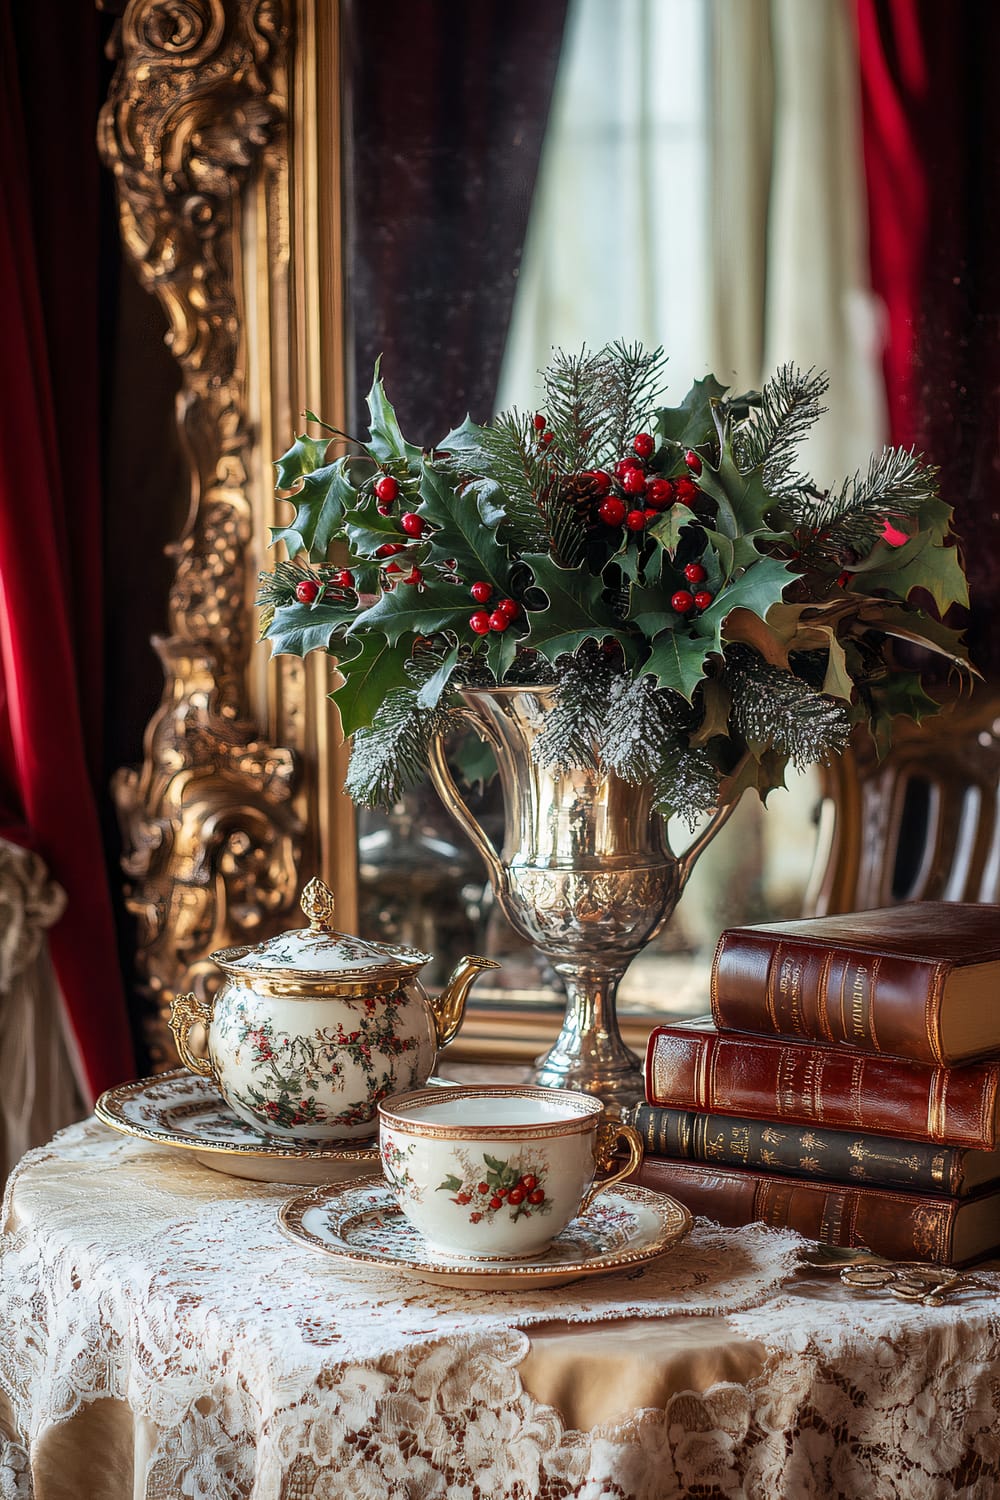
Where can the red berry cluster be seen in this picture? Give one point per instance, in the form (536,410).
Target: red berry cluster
(498,617)
(541,426)
(683,602)
(643,496)
(308,590)
(386,491)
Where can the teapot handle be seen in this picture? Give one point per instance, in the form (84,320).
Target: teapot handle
(444,784)
(185,1010)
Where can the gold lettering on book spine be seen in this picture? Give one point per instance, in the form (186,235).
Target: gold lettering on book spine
(211,840)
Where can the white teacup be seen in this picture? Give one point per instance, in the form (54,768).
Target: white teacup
(495,1173)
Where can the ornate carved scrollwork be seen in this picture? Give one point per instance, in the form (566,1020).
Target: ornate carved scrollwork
(211,838)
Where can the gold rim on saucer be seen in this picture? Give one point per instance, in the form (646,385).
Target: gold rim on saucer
(361,1223)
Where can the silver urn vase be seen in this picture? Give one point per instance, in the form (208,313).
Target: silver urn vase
(586,873)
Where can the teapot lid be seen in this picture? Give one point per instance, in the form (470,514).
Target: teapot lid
(320,950)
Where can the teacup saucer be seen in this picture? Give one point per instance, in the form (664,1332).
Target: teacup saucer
(361,1222)
(183,1110)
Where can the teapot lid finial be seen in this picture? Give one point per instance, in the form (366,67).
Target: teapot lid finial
(317,904)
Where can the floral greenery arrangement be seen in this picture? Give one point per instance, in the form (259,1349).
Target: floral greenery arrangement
(706,612)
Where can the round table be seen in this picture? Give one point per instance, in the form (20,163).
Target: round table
(160,1337)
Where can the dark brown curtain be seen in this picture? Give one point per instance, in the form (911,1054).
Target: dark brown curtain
(447,106)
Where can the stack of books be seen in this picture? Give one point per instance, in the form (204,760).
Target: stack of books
(847,1083)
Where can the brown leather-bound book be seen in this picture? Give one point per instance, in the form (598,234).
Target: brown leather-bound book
(690,1065)
(919,980)
(897,1225)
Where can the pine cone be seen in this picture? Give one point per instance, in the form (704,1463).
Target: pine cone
(580,494)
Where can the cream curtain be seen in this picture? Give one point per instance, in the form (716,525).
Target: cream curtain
(38,1088)
(616,244)
(788,233)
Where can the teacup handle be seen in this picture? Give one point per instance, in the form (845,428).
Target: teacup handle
(185,1010)
(609,1133)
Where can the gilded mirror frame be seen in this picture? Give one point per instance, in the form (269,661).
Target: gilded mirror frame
(224,142)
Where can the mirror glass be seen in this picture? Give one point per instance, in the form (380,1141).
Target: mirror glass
(523,177)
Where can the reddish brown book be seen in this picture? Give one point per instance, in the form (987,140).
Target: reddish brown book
(897,1225)
(918,980)
(690,1065)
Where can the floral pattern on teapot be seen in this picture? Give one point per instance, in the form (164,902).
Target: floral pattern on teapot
(288,1071)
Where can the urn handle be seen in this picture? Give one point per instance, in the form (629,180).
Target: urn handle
(185,1011)
(609,1133)
(453,800)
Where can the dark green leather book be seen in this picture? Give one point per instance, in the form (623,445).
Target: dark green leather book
(812,1151)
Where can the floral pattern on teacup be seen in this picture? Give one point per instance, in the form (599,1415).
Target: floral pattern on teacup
(395,1161)
(498,1187)
(289,1070)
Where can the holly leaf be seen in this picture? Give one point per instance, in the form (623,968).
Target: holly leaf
(577,610)
(387,440)
(468,435)
(462,531)
(321,503)
(430,693)
(837,680)
(667,530)
(744,626)
(366,530)
(440,606)
(899,693)
(501,649)
(758,590)
(677,660)
(373,671)
(298,629)
(451,1184)
(922,565)
(691,424)
(305,455)
(716,702)
(741,501)
(629,563)
(907,625)
(762,775)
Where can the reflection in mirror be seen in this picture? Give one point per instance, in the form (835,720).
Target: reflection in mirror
(525,176)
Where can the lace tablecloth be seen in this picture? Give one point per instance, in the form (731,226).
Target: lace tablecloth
(160,1337)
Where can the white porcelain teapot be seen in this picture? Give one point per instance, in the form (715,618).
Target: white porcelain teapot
(312,1029)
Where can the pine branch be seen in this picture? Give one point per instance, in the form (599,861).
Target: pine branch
(642,725)
(632,389)
(575,724)
(777,710)
(390,756)
(576,407)
(788,407)
(687,787)
(278,588)
(508,453)
(846,523)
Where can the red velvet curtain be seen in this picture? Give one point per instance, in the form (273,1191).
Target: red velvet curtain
(50,504)
(931,121)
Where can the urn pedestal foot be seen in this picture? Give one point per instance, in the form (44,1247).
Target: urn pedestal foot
(589,1053)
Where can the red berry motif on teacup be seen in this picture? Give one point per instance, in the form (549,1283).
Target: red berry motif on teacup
(502,1186)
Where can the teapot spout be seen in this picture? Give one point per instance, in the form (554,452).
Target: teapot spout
(449,1007)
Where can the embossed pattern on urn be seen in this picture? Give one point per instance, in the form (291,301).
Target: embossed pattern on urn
(586,873)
